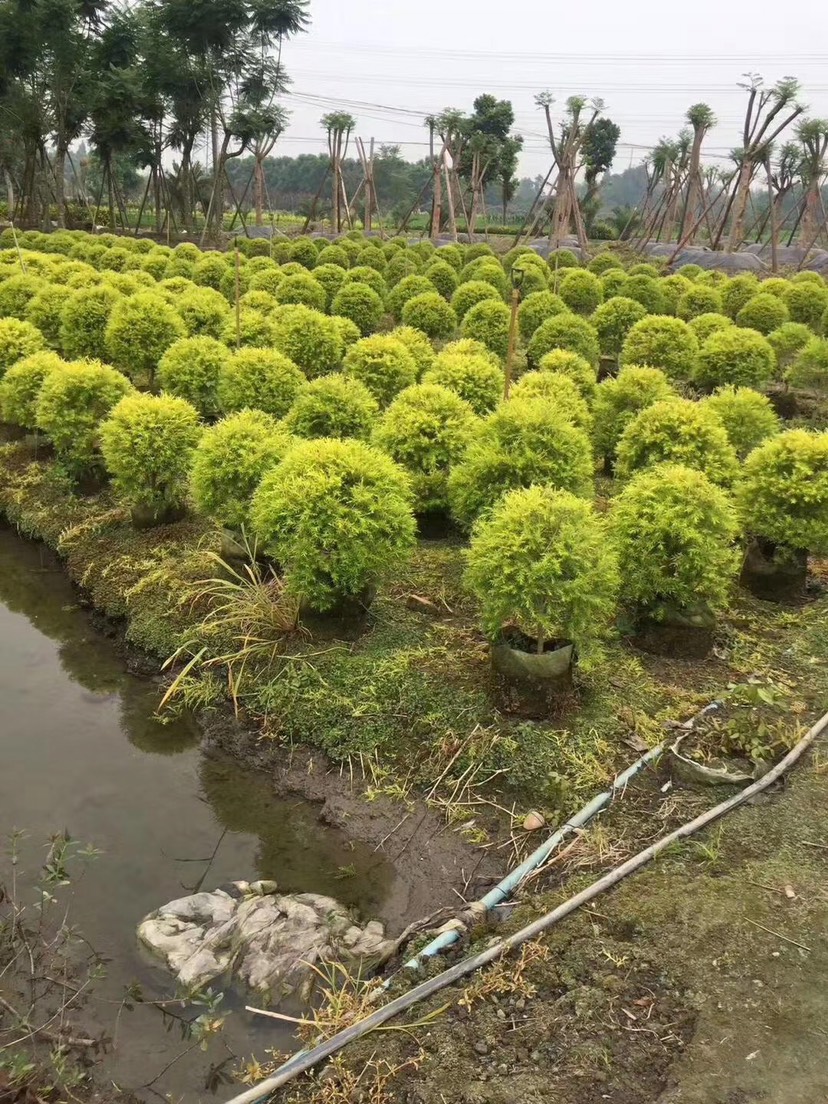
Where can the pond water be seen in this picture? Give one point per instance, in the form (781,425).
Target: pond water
(82,750)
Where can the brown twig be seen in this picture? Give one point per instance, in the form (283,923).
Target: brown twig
(778,935)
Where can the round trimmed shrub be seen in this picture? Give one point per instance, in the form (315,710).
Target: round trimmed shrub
(442,277)
(558,389)
(417,344)
(620,399)
(697,300)
(430,313)
(383,364)
(677,431)
(139,332)
(333,255)
(15,293)
(361,304)
(703,325)
(20,387)
(564,331)
(209,270)
(673,288)
(261,301)
(613,282)
(453,254)
(348,331)
(808,277)
(774,285)
(364,274)
(470,294)
(147,444)
(330,278)
(44,311)
(84,319)
(562,258)
(426,430)
(371,256)
(333,406)
(204,312)
(647,291)
(524,441)
(338,515)
(70,407)
(489,322)
(476,379)
(530,274)
(662,342)
(302,289)
(674,531)
(230,461)
(402,264)
(304,252)
(406,289)
(737,356)
(467,346)
(489,271)
(764,313)
(17,340)
(252,330)
(259,379)
(613,320)
(603,262)
(748,417)
(736,292)
(644,268)
(580,371)
(309,339)
(541,562)
(269,278)
(190,369)
(807,303)
(536,309)
(810,367)
(783,493)
(581,290)
(787,341)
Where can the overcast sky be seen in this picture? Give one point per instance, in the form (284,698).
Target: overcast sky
(391,62)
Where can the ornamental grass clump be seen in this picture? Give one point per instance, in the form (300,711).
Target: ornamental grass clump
(190,369)
(139,332)
(674,531)
(536,308)
(259,379)
(488,323)
(565,331)
(677,431)
(17,340)
(470,294)
(361,304)
(430,313)
(735,356)
(230,460)
(662,342)
(764,313)
(84,319)
(338,515)
(474,378)
(809,370)
(541,563)
(333,406)
(748,417)
(581,290)
(383,364)
(147,443)
(20,387)
(613,320)
(70,407)
(310,339)
(524,441)
(426,430)
(619,400)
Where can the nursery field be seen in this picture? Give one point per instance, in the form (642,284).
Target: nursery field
(463,530)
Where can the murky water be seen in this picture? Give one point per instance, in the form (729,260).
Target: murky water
(81,750)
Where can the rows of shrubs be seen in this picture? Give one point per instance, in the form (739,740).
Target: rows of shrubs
(323,397)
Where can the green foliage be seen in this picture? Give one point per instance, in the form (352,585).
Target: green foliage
(565,331)
(268,279)
(302,289)
(674,530)
(209,270)
(673,288)
(406,289)
(580,371)
(403,264)
(581,290)
(488,322)
(333,255)
(613,320)
(347,330)
(541,561)
(70,407)
(309,339)
(333,406)
(807,303)
(529,274)
(17,340)
(190,370)
(703,325)
(361,304)
(604,262)
(524,441)
(204,312)
(787,341)
(364,274)
(44,310)
(697,300)
(662,342)
(764,313)
(559,389)
(453,254)
(810,367)
(430,313)
(644,268)
(735,356)
(331,278)
(774,285)
(619,400)
(417,344)
(737,292)
(259,379)
(16,292)
(426,430)
(304,252)
(140,330)
(469,294)
(677,431)
(783,492)
(338,516)
(20,387)
(748,417)
(230,461)
(442,277)
(647,291)
(252,330)
(613,282)
(476,379)
(84,320)
(563,258)
(489,271)
(147,444)
(536,308)
(383,364)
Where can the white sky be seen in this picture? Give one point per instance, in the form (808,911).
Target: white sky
(649,60)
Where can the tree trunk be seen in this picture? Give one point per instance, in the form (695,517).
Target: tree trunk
(60,183)
(737,226)
(258,190)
